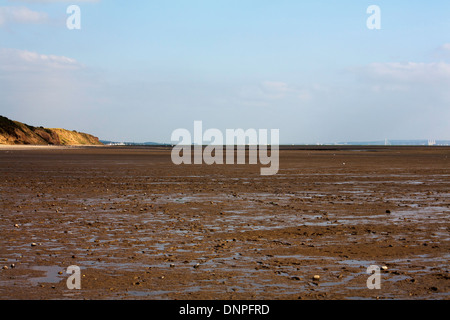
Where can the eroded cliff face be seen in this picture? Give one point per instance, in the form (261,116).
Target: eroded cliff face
(14,132)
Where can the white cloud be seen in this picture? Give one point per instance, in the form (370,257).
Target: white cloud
(445,47)
(14,60)
(40,86)
(269,92)
(405,76)
(443,52)
(53,1)
(21,15)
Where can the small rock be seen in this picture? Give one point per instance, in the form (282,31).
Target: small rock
(197,265)
(16,225)
(172,265)
(316,278)
(388,211)
(296,278)
(12,266)
(384,268)
(5,268)
(34,244)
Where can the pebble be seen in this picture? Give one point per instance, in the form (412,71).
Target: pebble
(34,244)
(5,268)
(384,268)
(316,278)
(16,225)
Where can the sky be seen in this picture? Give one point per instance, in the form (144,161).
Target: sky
(138,70)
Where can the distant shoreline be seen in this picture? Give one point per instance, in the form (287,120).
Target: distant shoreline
(165,146)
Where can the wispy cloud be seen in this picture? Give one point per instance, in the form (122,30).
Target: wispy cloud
(443,52)
(54,1)
(405,75)
(40,85)
(21,14)
(14,60)
(269,92)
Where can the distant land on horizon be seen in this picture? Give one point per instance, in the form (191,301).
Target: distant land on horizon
(417,142)
(116,143)
(17,133)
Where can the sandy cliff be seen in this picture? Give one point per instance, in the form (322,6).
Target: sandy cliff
(14,132)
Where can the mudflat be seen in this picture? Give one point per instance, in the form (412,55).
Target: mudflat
(140,227)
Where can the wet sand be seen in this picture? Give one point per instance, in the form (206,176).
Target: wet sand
(140,227)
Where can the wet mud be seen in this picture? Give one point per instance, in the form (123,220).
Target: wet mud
(140,227)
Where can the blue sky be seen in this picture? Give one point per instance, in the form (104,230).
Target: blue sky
(137,70)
